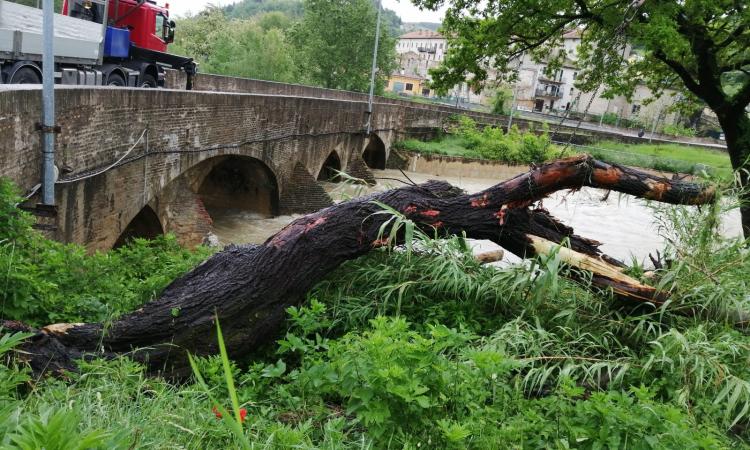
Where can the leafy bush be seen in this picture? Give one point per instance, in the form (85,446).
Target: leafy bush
(513,147)
(678,130)
(43,281)
(501,101)
(609,118)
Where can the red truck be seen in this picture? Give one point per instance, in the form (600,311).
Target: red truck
(96,42)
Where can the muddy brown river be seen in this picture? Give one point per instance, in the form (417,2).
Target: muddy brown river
(625,225)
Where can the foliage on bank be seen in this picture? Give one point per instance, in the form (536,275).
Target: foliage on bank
(668,157)
(467,140)
(420,349)
(43,281)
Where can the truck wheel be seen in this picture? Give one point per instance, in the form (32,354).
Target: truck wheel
(26,75)
(148,81)
(115,79)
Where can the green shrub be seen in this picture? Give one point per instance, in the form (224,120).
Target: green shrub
(678,130)
(609,118)
(513,147)
(43,281)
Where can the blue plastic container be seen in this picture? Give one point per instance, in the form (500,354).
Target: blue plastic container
(117,43)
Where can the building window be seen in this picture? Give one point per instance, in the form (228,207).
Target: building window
(571,91)
(425,92)
(409,86)
(575,75)
(636,109)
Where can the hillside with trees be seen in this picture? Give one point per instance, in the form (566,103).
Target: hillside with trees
(314,42)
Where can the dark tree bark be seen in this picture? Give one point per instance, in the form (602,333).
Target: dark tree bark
(736,126)
(249,287)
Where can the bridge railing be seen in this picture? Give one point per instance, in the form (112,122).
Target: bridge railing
(222,83)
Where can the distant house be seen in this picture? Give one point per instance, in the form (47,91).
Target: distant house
(418,52)
(430,45)
(408,85)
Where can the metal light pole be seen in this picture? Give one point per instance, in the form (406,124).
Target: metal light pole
(656,121)
(48,104)
(372,74)
(512,106)
(601,118)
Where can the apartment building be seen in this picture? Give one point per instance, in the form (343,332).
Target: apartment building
(535,90)
(557,93)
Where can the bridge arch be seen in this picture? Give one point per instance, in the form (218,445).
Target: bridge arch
(237,182)
(145,224)
(375,154)
(330,168)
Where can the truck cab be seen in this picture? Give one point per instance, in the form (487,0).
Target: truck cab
(149,24)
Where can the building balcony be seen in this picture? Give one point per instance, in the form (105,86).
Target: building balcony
(432,50)
(550,93)
(544,79)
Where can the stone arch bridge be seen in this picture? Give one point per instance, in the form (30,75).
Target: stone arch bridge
(140,162)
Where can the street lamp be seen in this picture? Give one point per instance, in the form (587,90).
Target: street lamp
(374,69)
(48,103)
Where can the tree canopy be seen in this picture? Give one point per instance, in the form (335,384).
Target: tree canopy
(338,37)
(256,48)
(701,47)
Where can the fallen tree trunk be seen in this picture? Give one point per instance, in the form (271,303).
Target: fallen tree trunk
(249,287)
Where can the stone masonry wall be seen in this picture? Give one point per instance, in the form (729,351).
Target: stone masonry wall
(120,149)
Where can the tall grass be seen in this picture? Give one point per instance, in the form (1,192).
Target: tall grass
(423,347)
(667,157)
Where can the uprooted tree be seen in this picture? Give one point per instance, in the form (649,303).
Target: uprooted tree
(249,287)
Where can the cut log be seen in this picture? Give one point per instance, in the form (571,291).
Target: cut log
(490,256)
(249,286)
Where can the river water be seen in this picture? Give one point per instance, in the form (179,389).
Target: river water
(624,224)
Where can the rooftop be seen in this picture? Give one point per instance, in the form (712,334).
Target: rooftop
(396,74)
(575,33)
(422,34)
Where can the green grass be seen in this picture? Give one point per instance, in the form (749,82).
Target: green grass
(672,157)
(417,349)
(450,145)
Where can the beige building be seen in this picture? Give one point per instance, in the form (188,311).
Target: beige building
(418,52)
(536,91)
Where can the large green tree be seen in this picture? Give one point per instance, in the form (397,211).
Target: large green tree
(255,47)
(337,38)
(699,46)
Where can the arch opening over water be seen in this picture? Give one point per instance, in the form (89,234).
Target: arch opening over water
(330,169)
(240,183)
(145,224)
(374,154)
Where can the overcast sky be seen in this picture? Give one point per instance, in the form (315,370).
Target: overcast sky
(404,8)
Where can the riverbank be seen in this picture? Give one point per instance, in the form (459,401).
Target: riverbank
(662,157)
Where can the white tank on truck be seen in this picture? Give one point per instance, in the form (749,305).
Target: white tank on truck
(96,42)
